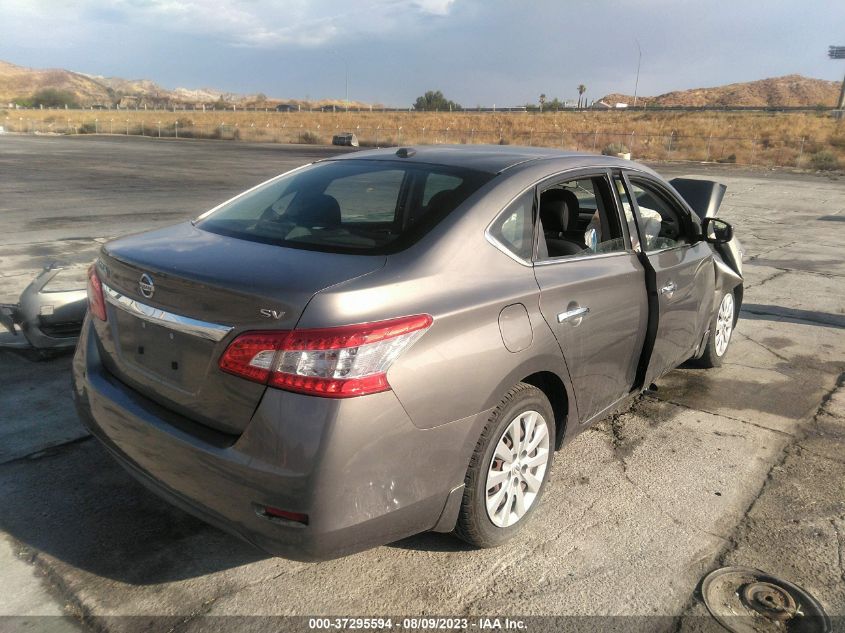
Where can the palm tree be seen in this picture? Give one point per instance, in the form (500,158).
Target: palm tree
(581,90)
(542,101)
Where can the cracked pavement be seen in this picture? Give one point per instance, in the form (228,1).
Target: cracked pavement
(741,465)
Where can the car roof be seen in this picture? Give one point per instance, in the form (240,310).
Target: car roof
(487,158)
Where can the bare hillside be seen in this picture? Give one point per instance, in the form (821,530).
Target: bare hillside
(20,84)
(790,90)
(17,82)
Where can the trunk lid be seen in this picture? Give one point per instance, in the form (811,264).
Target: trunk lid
(206,289)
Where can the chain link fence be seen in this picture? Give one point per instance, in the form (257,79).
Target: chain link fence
(762,151)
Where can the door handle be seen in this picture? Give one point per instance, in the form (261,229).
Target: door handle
(577,313)
(669,289)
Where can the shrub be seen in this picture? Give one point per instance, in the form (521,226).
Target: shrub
(730,158)
(837,141)
(310,138)
(87,128)
(612,149)
(434,100)
(825,160)
(53,98)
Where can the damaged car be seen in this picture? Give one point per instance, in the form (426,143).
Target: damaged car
(49,313)
(395,341)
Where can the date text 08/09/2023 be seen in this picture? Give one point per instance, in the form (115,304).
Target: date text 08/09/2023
(417,623)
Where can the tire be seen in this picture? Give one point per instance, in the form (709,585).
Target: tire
(525,480)
(721,330)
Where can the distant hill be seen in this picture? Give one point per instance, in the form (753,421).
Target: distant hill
(790,90)
(17,82)
(21,85)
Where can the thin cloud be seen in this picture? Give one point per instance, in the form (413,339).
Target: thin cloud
(260,23)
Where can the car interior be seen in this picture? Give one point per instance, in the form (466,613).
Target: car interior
(352,207)
(577,218)
(661,223)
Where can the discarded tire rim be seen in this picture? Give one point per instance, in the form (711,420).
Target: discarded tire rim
(747,600)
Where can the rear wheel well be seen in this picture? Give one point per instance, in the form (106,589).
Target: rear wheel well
(553,388)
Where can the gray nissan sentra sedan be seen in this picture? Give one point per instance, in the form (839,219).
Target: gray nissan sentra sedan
(395,341)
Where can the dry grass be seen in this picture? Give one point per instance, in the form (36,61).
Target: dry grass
(789,139)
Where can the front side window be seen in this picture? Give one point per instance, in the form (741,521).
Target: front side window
(579,218)
(353,206)
(661,222)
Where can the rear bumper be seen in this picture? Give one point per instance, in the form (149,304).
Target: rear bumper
(359,468)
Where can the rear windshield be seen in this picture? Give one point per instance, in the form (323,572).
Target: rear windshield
(358,206)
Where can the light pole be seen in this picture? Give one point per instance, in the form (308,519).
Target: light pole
(639,60)
(346,76)
(838,52)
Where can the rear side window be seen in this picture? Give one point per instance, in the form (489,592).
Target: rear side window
(350,206)
(514,228)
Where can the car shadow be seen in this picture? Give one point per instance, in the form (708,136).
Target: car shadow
(763,312)
(721,390)
(433,542)
(30,353)
(74,504)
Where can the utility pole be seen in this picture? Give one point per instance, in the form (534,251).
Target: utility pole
(639,60)
(838,52)
(346,75)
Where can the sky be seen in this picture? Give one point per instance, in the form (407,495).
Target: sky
(478,52)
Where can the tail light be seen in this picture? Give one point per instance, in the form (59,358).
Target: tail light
(339,362)
(96,301)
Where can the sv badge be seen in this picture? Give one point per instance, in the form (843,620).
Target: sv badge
(267,313)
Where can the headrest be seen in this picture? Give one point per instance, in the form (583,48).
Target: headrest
(318,210)
(443,199)
(558,210)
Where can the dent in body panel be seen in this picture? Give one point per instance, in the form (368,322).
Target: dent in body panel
(515,327)
(684,314)
(377,462)
(726,277)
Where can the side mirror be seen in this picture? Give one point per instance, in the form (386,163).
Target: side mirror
(717,231)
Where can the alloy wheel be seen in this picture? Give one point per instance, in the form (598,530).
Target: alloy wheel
(724,324)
